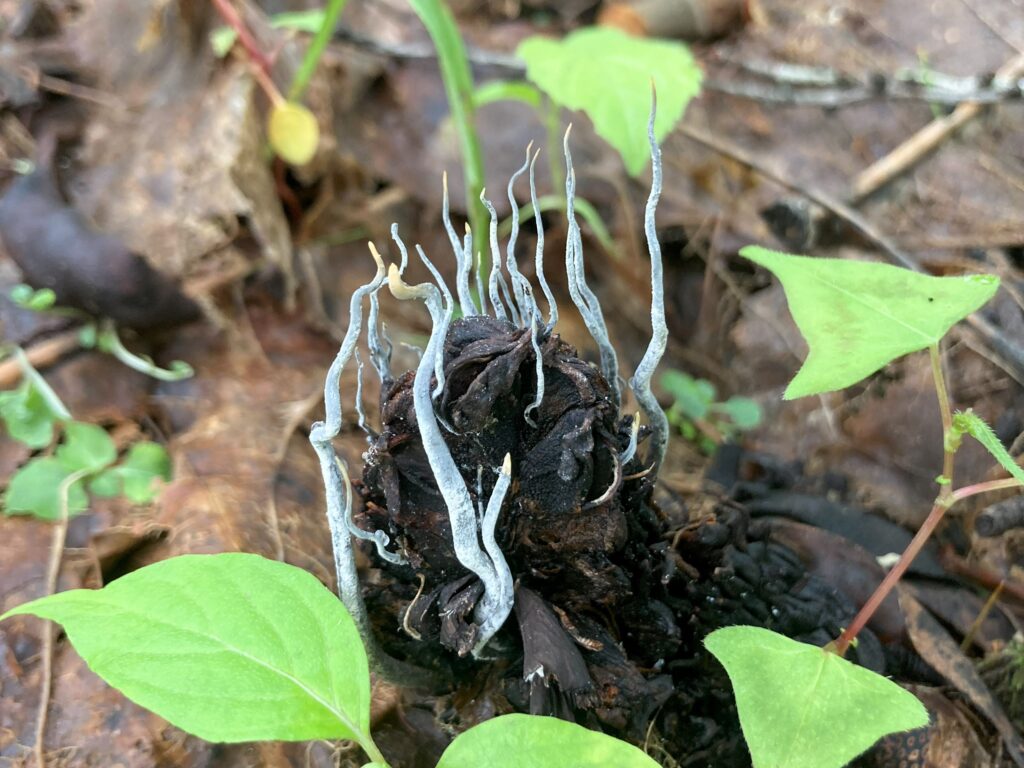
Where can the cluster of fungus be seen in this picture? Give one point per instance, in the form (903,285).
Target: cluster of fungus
(506,503)
(498,403)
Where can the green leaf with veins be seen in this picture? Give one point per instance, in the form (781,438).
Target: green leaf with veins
(858,316)
(230,648)
(26,415)
(607,74)
(533,741)
(35,489)
(803,707)
(85,447)
(970,423)
(137,476)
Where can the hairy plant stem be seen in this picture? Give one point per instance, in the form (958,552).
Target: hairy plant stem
(949,451)
(946,498)
(316,49)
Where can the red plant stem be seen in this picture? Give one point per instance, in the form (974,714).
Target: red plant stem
(944,502)
(233,20)
(261,63)
(990,485)
(889,582)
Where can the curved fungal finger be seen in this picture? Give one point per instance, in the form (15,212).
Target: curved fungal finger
(379,538)
(488,527)
(363,425)
(449,308)
(627,455)
(401,248)
(641,381)
(378,342)
(539,365)
(585,300)
(463,255)
(495,273)
(495,606)
(478,271)
(549,295)
(517,277)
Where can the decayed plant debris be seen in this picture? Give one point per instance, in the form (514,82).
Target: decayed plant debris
(516,540)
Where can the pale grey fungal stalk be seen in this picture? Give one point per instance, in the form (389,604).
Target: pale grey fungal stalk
(337,490)
(584,299)
(496,604)
(474,524)
(641,381)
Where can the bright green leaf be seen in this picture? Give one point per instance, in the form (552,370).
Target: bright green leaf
(26,415)
(607,74)
(222,39)
(27,297)
(293,132)
(36,488)
(85,447)
(803,707)
(743,412)
(137,476)
(692,396)
(857,315)
(532,741)
(968,421)
(506,90)
(230,647)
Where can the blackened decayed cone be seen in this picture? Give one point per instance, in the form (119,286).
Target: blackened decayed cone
(565,518)
(611,583)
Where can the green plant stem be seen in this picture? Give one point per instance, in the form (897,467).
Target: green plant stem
(316,49)
(108,341)
(552,127)
(458,86)
(373,752)
(586,210)
(53,402)
(949,451)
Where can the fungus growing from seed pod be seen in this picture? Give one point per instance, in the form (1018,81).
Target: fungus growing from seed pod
(481,474)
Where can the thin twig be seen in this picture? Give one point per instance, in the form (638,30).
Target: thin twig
(927,139)
(41,355)
(60,533)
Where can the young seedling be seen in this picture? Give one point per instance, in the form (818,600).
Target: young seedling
(698,415)
(856,318)
(50,486)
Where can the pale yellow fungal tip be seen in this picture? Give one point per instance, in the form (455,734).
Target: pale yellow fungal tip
(506,467)
(376,257)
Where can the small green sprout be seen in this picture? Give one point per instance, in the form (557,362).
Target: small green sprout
(700,418)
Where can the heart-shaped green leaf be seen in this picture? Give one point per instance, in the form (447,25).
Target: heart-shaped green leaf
(531,741)
(228,647)
(137,476)
(607,74)
(26,415)
(36,489)
(803,707)
(857,316)
(86,448)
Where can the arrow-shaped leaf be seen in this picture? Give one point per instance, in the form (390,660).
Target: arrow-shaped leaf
(857,316)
